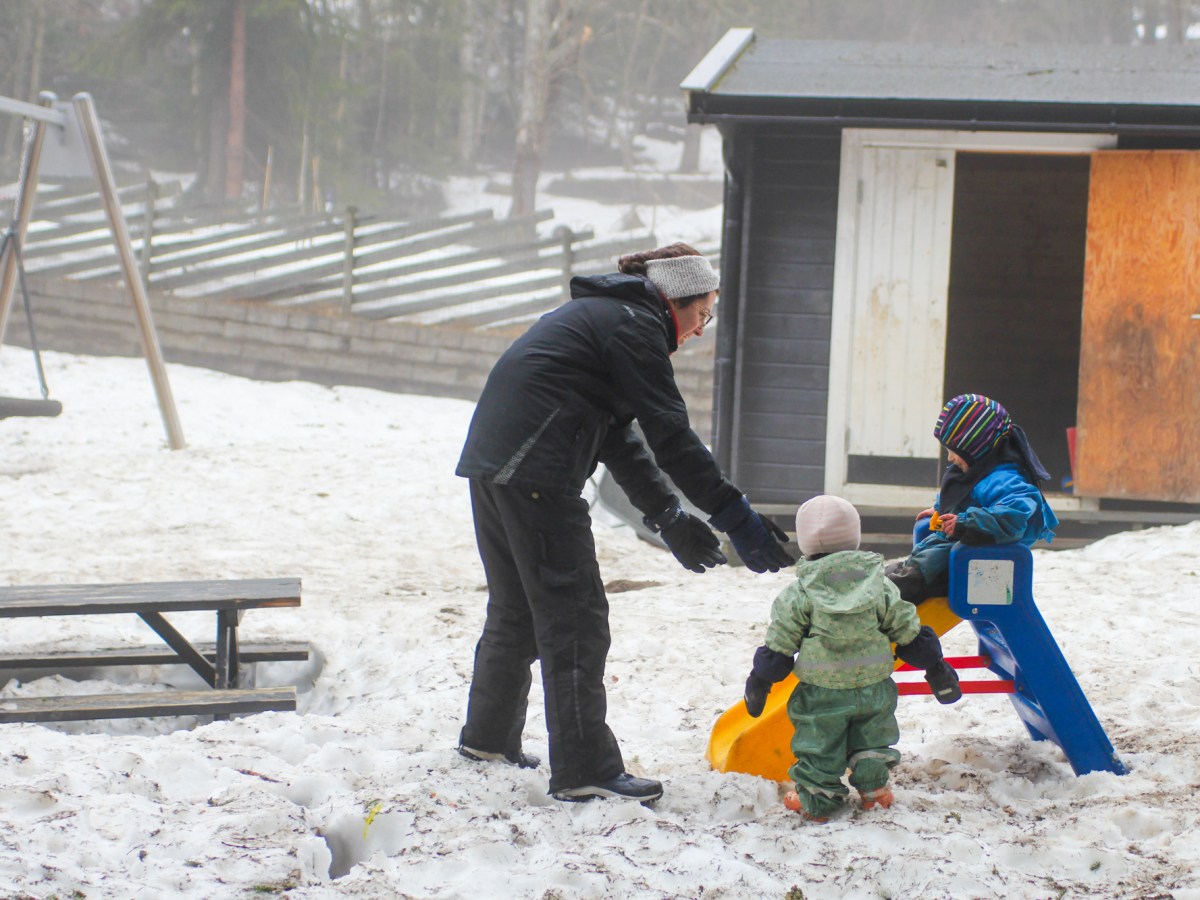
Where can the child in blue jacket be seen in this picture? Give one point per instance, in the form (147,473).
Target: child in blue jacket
(989,494)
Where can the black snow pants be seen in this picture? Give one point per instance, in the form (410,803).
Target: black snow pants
(545,601)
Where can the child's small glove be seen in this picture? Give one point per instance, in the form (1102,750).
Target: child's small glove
(756,695)
(770,666)
(943,682)
(922,652)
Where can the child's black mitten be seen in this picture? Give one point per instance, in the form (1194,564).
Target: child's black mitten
(943,682)
(922,652)
(756,695)
(770,666)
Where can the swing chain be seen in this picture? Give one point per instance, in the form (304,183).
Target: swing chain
(10,237)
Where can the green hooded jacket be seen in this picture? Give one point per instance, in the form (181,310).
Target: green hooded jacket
(841,614)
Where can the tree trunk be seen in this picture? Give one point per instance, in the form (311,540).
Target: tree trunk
(689,159)
(339,117)
(235,137)
(472,59)
(534,105)
(218,123)
(379,142)
(23,88)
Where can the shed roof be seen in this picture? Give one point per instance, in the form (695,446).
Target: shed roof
(743,65)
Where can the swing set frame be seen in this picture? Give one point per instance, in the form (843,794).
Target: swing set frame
(75,123)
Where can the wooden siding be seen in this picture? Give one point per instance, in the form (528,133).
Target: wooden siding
(1139,407)
(783,382)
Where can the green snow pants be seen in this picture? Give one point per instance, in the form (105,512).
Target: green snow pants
(854,728)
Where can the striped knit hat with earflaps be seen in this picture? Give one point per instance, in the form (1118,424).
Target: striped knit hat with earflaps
(971,425)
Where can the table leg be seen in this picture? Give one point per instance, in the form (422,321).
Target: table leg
(227,648)
(180,645)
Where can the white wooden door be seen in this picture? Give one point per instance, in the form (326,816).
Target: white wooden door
(902,271)
(895,315)
(888,326)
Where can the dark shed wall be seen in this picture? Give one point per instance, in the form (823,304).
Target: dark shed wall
(778,455)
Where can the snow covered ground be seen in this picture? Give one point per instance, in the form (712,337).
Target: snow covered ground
(360,793)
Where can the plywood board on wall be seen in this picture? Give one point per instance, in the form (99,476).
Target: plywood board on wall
(1139,372)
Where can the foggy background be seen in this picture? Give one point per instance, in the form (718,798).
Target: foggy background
(330,103)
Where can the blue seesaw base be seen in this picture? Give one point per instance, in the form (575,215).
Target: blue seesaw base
(992,588)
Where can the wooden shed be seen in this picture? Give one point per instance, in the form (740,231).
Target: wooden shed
(904,223)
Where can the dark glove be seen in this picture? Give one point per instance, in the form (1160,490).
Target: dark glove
(922,652)
(756,695)
(692,542)
(772,666)
(755,537)
(943,682)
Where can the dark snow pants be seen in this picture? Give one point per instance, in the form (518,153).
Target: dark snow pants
(545,601)
(839,729)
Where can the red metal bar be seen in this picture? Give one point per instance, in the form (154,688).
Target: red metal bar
(910,688)
(957,662)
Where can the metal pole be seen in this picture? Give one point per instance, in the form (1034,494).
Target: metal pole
(32,156)
(90,124)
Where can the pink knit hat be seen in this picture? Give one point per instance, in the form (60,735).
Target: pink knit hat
(827,524)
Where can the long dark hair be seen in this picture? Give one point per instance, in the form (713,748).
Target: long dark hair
(635,264)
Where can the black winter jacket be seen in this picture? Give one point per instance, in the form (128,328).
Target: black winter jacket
(562,399)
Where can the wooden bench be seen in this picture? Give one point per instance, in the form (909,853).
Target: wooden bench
(58,660)
(147,703)
(228,598)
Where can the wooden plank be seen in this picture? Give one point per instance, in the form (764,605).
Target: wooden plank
(234,261)
(1138,429)
(282,651)
(246,239)
(497,268)
(514,310)
(264,288)
(455,259)
(60,205)
(150,703)
(469,296)
(162,596)
(381,270)
(219,249)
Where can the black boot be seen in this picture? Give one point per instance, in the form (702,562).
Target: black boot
(943,681)
(909,580)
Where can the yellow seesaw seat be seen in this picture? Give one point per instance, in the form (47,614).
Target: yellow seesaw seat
(763,746)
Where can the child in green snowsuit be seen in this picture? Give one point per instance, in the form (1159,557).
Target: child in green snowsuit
(832,627)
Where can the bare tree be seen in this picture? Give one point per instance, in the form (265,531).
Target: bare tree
(26,74)
(554,34)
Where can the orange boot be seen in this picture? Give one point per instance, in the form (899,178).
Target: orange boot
(879,797)
(792,801)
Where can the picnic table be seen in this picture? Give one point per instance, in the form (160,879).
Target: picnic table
(219,666)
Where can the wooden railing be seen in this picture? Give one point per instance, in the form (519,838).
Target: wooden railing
(470,270)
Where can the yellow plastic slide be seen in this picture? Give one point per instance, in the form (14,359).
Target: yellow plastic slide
(762,746)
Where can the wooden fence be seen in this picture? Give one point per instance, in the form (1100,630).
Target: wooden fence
(468,270)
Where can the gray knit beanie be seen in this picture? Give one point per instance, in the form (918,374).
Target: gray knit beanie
(682,276)
(827,524)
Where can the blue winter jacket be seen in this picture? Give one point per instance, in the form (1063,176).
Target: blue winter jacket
(1007,508)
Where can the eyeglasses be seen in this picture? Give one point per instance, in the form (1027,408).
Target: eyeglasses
(707,317)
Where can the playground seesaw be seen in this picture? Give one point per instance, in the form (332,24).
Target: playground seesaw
(991,589)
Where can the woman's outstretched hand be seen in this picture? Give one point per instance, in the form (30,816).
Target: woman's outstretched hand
(689,539)
(757,540)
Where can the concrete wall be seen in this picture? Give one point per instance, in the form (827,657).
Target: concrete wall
(271,343)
